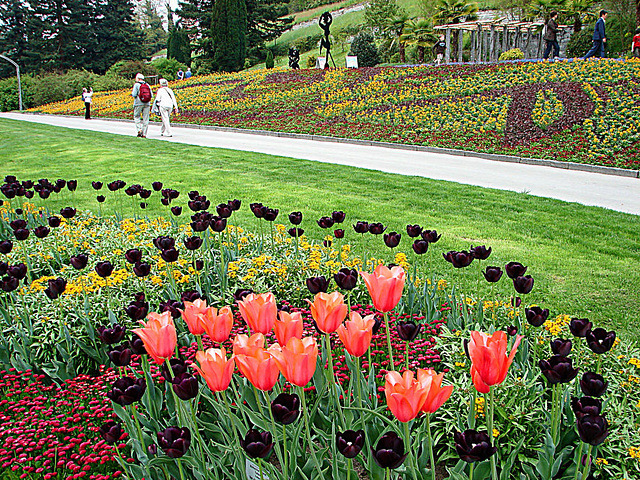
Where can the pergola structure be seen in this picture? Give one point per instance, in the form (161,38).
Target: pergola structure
(489,38)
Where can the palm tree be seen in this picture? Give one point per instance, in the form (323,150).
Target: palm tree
(394,28)
(455,11)
(418,32)
(580,12)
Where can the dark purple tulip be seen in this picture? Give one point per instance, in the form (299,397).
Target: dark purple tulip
(295,232)
(338,233)
(338,216)
(361,227)
(120,356)
(192,194)
(68,212)
(408,330)
(193,243)
(346,278)
(414,230)
(174,441)
(96,185)
(349,443)
(17,271)
(178,367)
(586,406)
(111,335)
(295,218)
(6,246)
(218,224)
(60,183)
(4,266)
(430,236)
(325,222)
(185,385)
(29,194)
(536,316)
(389,453)
(100,198)
(377,324)
(9,284)
(512,330)
(558,369)
(44,194)
(560,346)
(164,243)
(19,211)
(580,326)
(200,225)
(138,308)
(271,214)
(133,190)
(10,179)
(461,259)
(327,242)
(392,239)
(144,193)
(257,209)
(137,345)
(190,296)
(199,265)
(127,390)
(473,446)
(111,432)
(224,210)
(56,288)
(593,384)
(286,408)
(21,234)
(515,302)
(317,284)
(492,274)
(523,285)
(593,429)
(480,252)
(41,231)
(234,204)
(133,255)
(72,185)
(18,224)
(376,228)
(173,194)
(257,444)
(157,186)
(515,269)
(104,269)
(144,205)
(142,269)
(176,211)
(240,293)
(599,340)
(171,306)
(54,222)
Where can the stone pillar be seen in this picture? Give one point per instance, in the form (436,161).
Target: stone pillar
(479,38)
(492,44)
(527,54)
(505,39)
(472,54)
(540,45)
(447,52)
(460,44)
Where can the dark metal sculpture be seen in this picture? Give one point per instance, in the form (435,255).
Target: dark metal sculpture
(294,58)
(325,24)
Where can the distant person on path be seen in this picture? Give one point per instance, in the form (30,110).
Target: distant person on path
(599,37)
(142,95)
(551,36)
(188,73)
(180,74)
(439,48)
(165,102)
(635,45)
(86,98)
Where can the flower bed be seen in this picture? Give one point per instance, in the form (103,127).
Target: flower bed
(491,108)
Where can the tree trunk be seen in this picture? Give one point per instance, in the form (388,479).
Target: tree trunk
(577,24)
(402,55)
(638,12)
(420,55)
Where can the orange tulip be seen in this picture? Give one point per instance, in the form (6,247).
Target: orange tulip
(436,393)
(159,336)
(490,362)
(385,286)
(215,368)
(297,359)
(355,334)
(218,323)
(405,395)
(193,314)
(259,311)
(246,345)
(289,325)
(259,367)
(328,310)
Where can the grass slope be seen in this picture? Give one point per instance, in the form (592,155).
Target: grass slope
(584,259)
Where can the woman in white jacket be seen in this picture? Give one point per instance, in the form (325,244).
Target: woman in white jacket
(163,104)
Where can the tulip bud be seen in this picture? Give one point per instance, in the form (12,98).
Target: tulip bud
(414,230)
(126,390)
(392,239)
(515,269)
(593,429)
(580,326)
(295,218)
(111,432)
(286,408)
(317,284)
(473,446)
(523,285)
(346,278)
(120,356)
(96,185)
(41,231)
(6,246)
(430,236)
(420,247)
(174,441)
(558,369)
(325,222)
(599,340)
(257,444)
(176,211)
(338,216)
(338,233)
(408,330)
(492,274)
(560,346)
(480,252)
(68,212)
(349,443)
(104,269)
(389,452)
(185,386)
(111,335)
(361,227)
(142,269)
(376,228)
(586,406)
(79,261)
(593,384)
(536,316)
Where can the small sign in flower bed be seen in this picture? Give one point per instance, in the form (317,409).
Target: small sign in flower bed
(201,350)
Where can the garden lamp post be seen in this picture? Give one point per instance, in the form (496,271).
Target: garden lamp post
(18,75)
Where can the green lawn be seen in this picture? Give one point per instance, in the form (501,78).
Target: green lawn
(584,259)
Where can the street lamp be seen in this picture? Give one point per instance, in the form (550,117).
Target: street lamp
(18,75)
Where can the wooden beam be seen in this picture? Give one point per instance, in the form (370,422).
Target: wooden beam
(447,52)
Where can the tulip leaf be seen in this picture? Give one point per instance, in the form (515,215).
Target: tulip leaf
(505,474)
(482,470)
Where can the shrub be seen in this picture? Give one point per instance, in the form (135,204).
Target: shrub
(168,67)
(55,88)
(269,60)
(365,49)
(129,68)
(580,42)
(513,54)
(311,61)
(9,93)
(111,81)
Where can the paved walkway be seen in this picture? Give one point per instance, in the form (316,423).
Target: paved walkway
(608,191)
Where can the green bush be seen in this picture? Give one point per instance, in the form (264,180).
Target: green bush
(269,60)
(55,88)
(365,49)
(9,93)
(311,61)
(513,54)
(111,81)
(304,44)
(580,42)
(129,68)
(168,67)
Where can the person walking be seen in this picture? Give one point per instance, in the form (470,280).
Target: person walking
(86,98)
(635,44)
(187,74)
(165,102)
(142,95)
(599,37)
(439,48)
(551,36)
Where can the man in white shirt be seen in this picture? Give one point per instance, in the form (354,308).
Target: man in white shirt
(165,102)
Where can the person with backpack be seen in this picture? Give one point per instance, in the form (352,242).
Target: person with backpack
(142,95)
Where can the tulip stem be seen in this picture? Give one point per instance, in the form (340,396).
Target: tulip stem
(407,435)
(124,464)
(348,469)
(180,468)
(285,469)
(223,394)
(471,465)
(388,474)
(260,468)
(587,466)
(579,460)
(391,364)
(275,435)
(433,462)
(199,340)
(472,422)
(332,381)
(406,355)
(308,430)
(135,417)
(494,472)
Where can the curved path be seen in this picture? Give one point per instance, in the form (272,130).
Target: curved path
(596,189)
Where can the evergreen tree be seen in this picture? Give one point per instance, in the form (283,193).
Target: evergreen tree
(155,36)
(19,28)
(229,35)
(196,20)
(266,21)
(378,13)
(178,45)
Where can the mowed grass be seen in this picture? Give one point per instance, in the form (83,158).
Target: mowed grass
(584,259)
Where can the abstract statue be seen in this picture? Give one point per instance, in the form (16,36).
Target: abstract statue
(325,24)
(294,58)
